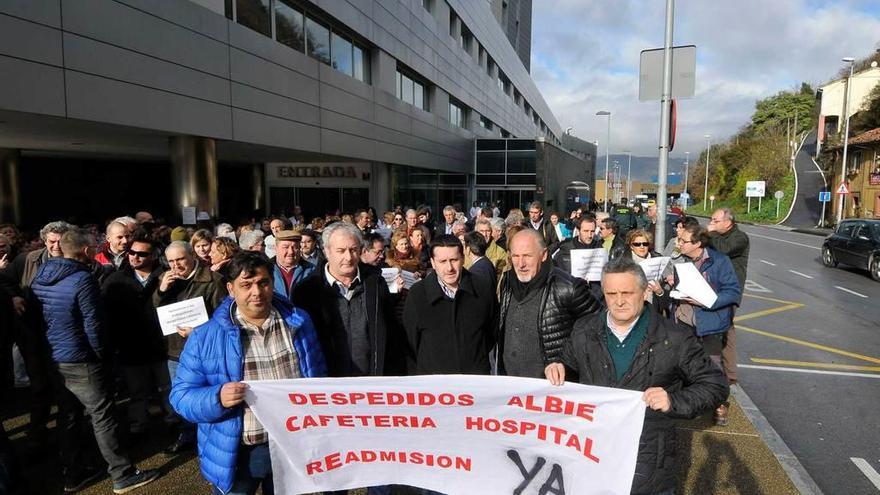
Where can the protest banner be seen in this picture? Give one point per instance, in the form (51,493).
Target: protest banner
(654,267)
(456,434)
(587,264)
(188,313)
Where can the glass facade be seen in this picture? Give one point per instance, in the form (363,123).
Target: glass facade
(297,29)
(506,172)
(413,187)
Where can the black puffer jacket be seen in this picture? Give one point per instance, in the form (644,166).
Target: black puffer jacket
(564,299)
(669,357)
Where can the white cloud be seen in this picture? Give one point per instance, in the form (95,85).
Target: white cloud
(585,58)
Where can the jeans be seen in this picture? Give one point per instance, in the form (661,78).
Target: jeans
(84,386)
(252,469)
(143,381)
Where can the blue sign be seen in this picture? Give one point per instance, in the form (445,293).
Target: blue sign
(824,196)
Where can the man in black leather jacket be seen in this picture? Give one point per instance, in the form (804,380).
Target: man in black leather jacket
(632,347)
(539,304)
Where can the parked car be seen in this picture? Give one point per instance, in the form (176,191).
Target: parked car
(856,243)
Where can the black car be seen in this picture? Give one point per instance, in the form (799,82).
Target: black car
(856,243)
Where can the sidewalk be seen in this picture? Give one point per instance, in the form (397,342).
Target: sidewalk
(717,460)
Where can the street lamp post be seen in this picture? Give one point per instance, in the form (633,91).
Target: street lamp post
(629,175)
(616,181)
(687,161)
(842,197)
(606,113)
(706,187)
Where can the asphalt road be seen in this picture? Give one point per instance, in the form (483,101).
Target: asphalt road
(809,355)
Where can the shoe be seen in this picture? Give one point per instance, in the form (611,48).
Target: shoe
(721,416)
(732,381)
(77,479)
(179,446)
(136,480)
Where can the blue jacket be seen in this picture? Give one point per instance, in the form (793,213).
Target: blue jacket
(71,308)
(718,271)
(212,357)
(301,271)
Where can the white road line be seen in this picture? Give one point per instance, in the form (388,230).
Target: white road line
(867,470)
(768,263)
(850,291)
(801,274)
(815,372)
(787,242)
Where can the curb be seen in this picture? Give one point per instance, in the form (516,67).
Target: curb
(792,466)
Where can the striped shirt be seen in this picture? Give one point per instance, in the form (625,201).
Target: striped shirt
(268,355)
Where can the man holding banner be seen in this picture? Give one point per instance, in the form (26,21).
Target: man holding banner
(631,347)
(252,336)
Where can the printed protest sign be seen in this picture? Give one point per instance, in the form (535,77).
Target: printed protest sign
(188,313)
(588,263)
(457,434)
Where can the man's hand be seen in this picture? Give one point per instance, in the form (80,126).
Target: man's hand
(657,399)
(184,331)
(655,287)
(555,372)
(4,261)
(19,304)
(232,394)
(168,278)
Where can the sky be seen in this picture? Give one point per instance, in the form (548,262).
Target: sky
(585,58)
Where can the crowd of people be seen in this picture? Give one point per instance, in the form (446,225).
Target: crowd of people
(290,298)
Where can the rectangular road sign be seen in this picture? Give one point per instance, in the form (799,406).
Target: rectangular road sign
(755,188)
(825,196)
(684,68)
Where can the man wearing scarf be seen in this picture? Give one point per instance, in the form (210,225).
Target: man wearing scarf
(539,305)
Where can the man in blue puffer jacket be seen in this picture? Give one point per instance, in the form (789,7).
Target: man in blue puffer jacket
(68,294)
(252,335)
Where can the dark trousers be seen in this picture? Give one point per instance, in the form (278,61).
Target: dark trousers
(38,363)
(84,388)
(143,382)
(253,469)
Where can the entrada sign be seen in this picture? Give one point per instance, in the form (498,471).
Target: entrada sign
(317,172)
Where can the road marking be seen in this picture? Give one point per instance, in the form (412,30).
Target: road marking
(867,470)
(801,274)
(784,362)
(758,314)
(768,263)
(765,298)
(695,430)
(814,372)
(787,242)
(753,286)
(811,345)
(850,291)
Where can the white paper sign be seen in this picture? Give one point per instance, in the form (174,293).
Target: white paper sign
(390,276)
(692,284)
(189,215)
(457,434)
(588,263)
(653,267)
(189,313)
(409,279)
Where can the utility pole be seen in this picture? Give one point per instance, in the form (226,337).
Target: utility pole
(665,110)
(687,161)
(842,197)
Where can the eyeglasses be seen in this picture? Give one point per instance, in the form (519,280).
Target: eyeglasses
(140,254)
(682,241)
(640,244)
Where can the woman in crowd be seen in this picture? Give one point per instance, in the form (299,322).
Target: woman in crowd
(562,232)
(201,241)
(222,251)
(397,221)
(640,244)
(400,253)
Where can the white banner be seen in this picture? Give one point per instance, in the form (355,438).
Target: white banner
(588,263)
(456,434)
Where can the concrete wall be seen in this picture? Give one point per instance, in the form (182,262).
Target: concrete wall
(178,67)
(834,94)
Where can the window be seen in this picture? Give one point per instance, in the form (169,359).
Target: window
(428,5)
(452,20)
(486,123)
(318,40)
(503,82)
(361,64)
(457,114)
(255,15)
(289,25)
(411,91)
(489,65)
(505,134)
(340,50)
(465,39)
